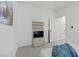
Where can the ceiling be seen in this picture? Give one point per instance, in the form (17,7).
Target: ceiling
(51,5)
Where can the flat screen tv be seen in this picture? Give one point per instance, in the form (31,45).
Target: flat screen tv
(37,34)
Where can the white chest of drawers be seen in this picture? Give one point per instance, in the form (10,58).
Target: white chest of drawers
(38,41)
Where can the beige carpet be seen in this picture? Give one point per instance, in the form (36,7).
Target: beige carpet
(30,51)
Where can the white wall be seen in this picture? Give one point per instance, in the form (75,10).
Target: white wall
(24,15)
(20,34)
(7,40)
(23,24)
(72,19)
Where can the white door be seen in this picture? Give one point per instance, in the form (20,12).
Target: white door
(60,28)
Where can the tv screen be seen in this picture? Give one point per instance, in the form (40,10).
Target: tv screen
(38,34)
